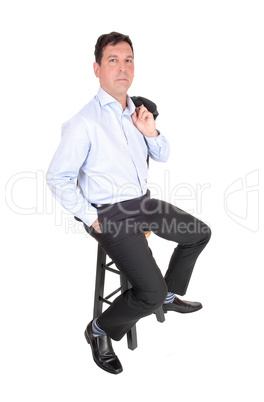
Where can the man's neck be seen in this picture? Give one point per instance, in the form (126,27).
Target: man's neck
(122,98)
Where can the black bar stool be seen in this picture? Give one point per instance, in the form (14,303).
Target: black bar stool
(99,298)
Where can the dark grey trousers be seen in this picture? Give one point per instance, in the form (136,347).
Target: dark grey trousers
(123,225)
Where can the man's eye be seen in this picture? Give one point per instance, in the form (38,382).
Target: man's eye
(112,60)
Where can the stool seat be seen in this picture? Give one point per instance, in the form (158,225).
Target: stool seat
(147,234)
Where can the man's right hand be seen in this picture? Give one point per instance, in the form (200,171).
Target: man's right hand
(96,226)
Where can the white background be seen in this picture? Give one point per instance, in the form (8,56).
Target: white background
(202,63)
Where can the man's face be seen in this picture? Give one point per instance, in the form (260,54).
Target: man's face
(116,71)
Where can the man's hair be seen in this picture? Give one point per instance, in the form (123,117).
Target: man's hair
(112,38)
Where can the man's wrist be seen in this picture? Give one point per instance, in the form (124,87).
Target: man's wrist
(152,135)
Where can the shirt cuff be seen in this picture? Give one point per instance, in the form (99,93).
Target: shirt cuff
(154,141)
(88,217)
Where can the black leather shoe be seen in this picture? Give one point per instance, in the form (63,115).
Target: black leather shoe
(181,306)
(103,353)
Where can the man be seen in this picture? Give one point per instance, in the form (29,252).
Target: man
(106,146)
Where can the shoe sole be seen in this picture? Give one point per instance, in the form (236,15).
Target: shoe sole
(183,311)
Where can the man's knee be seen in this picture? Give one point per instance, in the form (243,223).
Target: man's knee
(153,299)
(200,233)
(159,296)
(206,233)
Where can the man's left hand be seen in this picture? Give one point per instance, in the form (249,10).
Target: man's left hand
(144,121)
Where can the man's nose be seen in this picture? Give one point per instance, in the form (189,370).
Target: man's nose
(122,67)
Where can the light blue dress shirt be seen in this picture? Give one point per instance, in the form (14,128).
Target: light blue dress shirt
(103,149)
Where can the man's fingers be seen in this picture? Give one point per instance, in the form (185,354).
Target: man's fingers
(134,117)
(96,226)
(142,112)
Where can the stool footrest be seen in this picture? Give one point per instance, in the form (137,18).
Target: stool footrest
(109,263)
(105,300)
(107,268)
(112,294)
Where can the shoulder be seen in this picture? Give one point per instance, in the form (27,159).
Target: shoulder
(90,110)
(84,117)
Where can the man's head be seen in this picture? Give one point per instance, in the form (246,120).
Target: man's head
(114,64)
(113,38)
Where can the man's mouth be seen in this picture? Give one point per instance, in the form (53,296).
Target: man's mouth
(122,79)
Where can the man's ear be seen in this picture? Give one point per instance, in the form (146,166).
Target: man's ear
(96,69)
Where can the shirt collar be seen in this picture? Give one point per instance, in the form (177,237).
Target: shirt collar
(105,99)
(130,106)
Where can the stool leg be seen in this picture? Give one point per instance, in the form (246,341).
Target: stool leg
(160,315)
(132,338)
(132,333)
(99,282)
